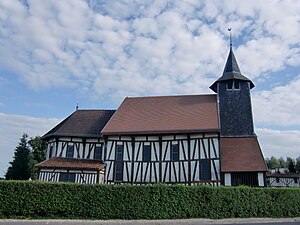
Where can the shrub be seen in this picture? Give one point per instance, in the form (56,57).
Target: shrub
(65,200)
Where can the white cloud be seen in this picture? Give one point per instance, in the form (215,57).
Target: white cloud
(13,127)
(279,106)
(98,48)
(279,143)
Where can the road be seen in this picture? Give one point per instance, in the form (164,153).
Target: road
(252,221)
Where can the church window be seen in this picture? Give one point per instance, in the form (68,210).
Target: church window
(67,177)
(98,153)
(70,151)
(205,170)
(147,153)
(119,153)
(175,152)
(50,151)
(119,171)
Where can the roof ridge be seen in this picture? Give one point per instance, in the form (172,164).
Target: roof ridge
(163,96)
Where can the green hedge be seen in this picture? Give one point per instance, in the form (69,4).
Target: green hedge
(61,200)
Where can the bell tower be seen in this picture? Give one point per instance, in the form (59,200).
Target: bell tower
(234,100)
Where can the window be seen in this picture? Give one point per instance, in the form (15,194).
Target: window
(70,151)
(236,84)
(229,84)
(50,151)
(147,153)
(277,179)
(205,170)
(67,177)
(98,153)
(119,153)
(175,152)
(233,85)
(119,171)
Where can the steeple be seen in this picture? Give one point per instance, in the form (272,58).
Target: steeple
(234,100)
(231,71)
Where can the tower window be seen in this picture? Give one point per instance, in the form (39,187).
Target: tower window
(233,85)
(229,84)
(236,84)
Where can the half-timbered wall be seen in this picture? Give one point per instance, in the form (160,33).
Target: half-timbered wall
(284,182)
(81,176)
(187,159)
(84,148)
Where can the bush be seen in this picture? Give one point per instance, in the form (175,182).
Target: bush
(65,200)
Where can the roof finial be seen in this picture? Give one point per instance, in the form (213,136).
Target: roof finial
(77,107)
(229,29)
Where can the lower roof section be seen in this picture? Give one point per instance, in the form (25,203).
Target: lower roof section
(241,155)
(71,163)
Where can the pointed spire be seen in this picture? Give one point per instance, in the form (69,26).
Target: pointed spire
(231,64)
(231,70)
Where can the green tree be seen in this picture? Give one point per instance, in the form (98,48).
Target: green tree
(38,154)
(291,164)
(297,167)
(282,162)
(19,167)
(273,163)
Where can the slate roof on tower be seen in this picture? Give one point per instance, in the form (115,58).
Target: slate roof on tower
(81,123)
(164,114)
(231,71)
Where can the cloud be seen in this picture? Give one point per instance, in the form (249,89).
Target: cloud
(13,127)
(279,106)
(279,143)
(107,50)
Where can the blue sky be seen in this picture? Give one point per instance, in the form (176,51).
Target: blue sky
(55,54)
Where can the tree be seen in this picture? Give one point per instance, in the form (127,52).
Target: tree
(291,164)
(273,163)
(297,167)
(282,162)
(38,154)
(19,167)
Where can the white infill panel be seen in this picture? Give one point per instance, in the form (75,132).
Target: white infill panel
(227,179)
(261,181)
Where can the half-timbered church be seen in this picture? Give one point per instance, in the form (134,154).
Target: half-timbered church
(188,139)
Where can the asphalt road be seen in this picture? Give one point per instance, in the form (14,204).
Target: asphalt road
(252,221)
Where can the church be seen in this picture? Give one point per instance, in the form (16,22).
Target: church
(188,139)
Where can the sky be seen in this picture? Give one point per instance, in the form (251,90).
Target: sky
(55,54)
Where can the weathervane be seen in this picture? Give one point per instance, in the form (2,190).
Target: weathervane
(77,107)
(229,29)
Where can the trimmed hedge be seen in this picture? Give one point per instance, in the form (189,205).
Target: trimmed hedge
(64,200)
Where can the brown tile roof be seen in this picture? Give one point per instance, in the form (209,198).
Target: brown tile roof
(241,155)
(164,114)
(284,175)
(82,123)
(71,163)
